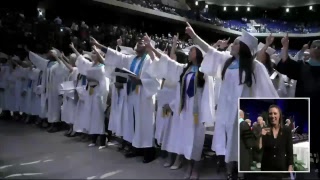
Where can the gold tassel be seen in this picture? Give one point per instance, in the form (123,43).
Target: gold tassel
(168,113)
(196,118)
(137,89)
(91,90)
(163,113)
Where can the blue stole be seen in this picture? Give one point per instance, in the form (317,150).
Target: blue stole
(29,84)
(314,62)
(191,87)
(84,80)
(234,64)
(130,85)
(39,78)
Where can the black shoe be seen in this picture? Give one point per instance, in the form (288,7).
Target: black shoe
(53,129)
(68,132)
(148,160)
(130,154)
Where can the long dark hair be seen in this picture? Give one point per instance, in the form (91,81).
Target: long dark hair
(268,64)
(245,65)
(199,58)
(280,115)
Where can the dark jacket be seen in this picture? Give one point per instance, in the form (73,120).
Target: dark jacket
(308,85)
(248,144)
(277,153)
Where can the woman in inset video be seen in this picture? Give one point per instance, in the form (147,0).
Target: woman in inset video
(276,143)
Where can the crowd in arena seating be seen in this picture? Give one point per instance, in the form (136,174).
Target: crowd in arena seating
(269,25)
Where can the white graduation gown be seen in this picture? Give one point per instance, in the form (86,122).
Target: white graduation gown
(36,109)
(20,75)
(164,96)
(81,117)
(95,104)
(10,97)
(4,73)
(30,104)
(118,121)
(190,136)
(142,102)
(69,105)
(225,138)
(55,73)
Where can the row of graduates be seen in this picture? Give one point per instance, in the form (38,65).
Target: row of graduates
(186,95)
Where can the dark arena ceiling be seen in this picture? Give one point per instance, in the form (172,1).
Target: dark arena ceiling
(264,3)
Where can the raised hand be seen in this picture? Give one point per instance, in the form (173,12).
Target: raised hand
(223,43)
(175,39)
(285,41)
(269,40)
(71,46)
(93,41)
(190,31)
(119,41)
(147,41)
(305,47)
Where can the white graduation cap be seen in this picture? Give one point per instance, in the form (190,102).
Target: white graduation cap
(73,56)
(187,49)
(87,56)
(127,50)
(15,58)
(95,73)
(270,50)
(57,51)
(250,41)
(3,56)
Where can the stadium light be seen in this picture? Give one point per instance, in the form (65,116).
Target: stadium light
(310,8)
(224,8)
(237,8)
(287,10)
(248,9)
(207,6)
(196,3)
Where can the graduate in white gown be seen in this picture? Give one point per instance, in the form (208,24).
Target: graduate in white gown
(68,109)
(141,91)
(164,96)
(54,73)
(195,105)
(96,94)
(4,73)
(265,55)
(119,122)
(29,103)
(252,81)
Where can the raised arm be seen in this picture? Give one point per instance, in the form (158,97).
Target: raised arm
(269,41)
(196,39)
(74,49)
(165,67)
(38,61)
(63,59)
(174,47)
(100,58)
(113,57)
(288,66)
